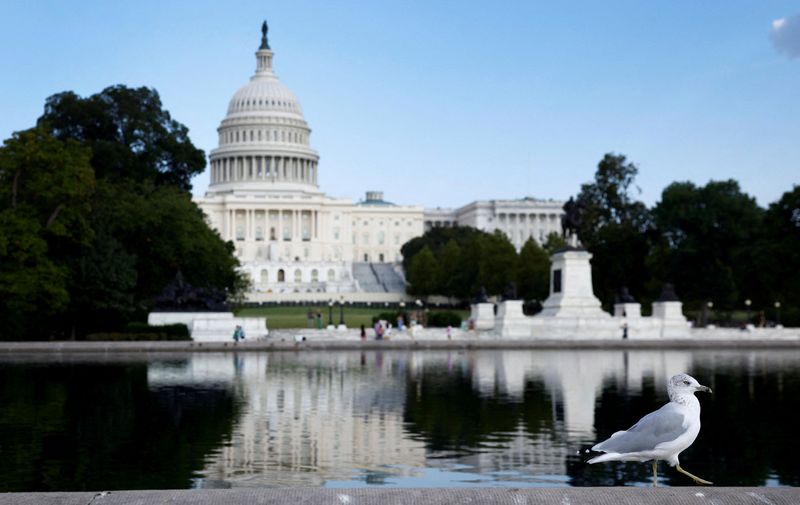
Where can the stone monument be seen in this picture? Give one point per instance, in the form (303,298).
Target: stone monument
(510,321)
(204,312)
(482,312)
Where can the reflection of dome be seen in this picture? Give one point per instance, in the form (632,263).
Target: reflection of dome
(264,138)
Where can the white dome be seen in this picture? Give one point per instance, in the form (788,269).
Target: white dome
(264,94)
(264,141)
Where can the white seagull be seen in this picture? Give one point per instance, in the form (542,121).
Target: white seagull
(663,434)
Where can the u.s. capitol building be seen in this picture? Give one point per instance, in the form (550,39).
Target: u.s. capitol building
(294,241)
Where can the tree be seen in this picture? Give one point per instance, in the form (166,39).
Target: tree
(778,251)
(131,136)
(422,273)
(616,229)
(705,243)
(44,188)
(553,243)
(533,272)
(608,199)
(497,263)
(449,263)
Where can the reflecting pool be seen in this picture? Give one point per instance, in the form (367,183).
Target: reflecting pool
(393,418)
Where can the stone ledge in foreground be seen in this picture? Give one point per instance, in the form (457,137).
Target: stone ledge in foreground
(417,496)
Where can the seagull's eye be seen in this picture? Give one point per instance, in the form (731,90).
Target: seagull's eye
(686,383)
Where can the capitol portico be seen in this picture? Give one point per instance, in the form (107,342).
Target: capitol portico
(295,242)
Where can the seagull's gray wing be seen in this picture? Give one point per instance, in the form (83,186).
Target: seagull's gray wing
(664,425)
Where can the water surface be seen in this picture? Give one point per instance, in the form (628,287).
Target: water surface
(395,418)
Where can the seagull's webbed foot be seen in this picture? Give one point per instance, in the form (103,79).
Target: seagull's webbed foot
(695,478)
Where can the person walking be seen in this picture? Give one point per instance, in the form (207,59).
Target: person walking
(363,333)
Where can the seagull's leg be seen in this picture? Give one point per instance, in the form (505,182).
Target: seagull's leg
(695,478)
(655,476)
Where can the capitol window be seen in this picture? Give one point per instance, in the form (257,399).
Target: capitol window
(281,275)
(298,276)
(259,233)
(239,233)
(380,238)
(314,276)
(264,277)
(331,275)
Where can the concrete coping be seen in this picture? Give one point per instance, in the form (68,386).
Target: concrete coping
(262,345)
(420,496)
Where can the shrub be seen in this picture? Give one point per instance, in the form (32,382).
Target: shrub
(178,330)
(441,319)
(143,332)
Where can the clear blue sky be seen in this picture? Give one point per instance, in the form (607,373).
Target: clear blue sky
(442,103)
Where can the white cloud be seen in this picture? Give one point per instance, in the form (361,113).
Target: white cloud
(785,35)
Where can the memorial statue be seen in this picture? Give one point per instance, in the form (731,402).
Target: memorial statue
(571,221)
(510,292)
(624,296)
(264,30)
(668,293)
(181,296)
(482,297)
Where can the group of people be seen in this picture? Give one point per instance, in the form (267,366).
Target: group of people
(314,319)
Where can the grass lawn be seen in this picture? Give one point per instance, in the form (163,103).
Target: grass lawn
(295,316)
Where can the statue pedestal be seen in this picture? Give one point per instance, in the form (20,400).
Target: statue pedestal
(510,322)
(628,310)
(571,293)
(482,315)
(670,315)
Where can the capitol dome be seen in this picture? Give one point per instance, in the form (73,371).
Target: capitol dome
(264,95)
(264,138)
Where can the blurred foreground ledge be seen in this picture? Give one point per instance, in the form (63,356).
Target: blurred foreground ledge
(390,496)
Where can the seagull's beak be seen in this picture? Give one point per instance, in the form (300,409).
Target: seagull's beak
(704,389)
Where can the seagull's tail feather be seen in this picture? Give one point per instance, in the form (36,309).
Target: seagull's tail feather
(611,456)
(601,446)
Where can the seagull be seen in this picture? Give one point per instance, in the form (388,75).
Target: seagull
(660,435)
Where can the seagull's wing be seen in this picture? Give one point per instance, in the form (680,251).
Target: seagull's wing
(664,425)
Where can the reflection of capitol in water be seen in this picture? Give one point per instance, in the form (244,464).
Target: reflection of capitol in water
(311,417)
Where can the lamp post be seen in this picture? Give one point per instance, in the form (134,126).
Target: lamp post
(341,310)
(747,303)
(778,313)
(418,303)
(330,313)
(709,306)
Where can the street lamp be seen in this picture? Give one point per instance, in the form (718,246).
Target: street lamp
(709,306)
(330,313)
(748,302)
(778,311)
(341,310)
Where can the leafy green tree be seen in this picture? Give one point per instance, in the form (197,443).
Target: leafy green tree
(422,273)
(706,238)
(130,134)
(615,228)
(44,188)
(778,252)
(533,272)
(497,264)
(462,277)
(449,262)
(553,243)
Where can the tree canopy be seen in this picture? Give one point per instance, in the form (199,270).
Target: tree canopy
(131,136)
(96,217)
